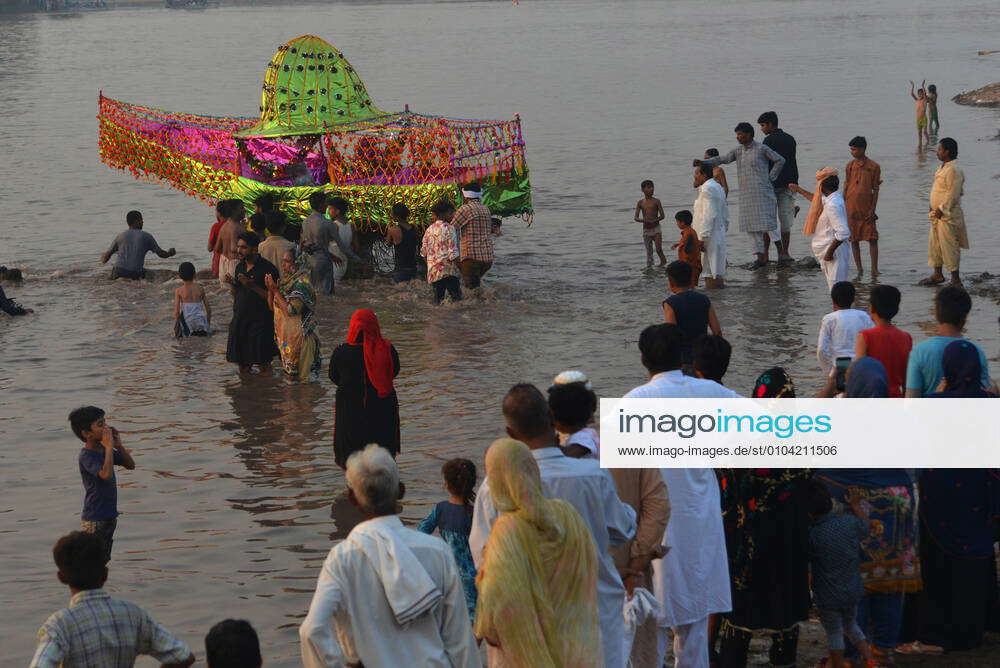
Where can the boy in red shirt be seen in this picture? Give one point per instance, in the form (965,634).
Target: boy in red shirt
(885,342)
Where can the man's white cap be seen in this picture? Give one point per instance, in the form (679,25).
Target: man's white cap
(571,376)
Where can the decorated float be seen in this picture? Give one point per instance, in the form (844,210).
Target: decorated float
(320,130)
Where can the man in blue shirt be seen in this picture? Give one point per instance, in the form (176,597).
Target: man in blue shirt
(923,371)
(102,451)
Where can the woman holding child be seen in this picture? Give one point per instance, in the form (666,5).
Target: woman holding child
(293,301)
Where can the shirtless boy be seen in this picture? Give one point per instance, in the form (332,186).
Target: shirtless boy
(225,245)
(920,98)
(192,312)
(649,212)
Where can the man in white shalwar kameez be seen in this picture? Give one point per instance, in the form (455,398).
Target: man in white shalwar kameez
(692,580)
(711,222)
(829,230)
(584,485)
(387,595)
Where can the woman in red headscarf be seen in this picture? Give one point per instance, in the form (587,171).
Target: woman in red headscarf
(366,409)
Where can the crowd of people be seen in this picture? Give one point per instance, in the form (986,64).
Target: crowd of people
(549,560)
(554,561)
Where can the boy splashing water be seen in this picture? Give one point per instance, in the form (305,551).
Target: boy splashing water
(651,212)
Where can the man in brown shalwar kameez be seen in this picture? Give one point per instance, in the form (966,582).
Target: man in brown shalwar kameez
(862,178)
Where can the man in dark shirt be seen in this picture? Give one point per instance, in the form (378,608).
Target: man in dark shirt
(784,145)
(251,332)
(690,310)
(102,451)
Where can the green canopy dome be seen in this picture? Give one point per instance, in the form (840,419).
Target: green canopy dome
(309,86)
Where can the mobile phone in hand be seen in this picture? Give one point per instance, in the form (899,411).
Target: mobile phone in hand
(841,376)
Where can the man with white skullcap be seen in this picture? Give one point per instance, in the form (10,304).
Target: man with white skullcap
(474,225)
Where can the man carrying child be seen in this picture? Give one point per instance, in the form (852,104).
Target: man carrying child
(440,249)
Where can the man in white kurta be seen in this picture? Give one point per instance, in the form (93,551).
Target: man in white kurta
(387,595)
(711,221)
(692,580)
(829,241)
(584,485)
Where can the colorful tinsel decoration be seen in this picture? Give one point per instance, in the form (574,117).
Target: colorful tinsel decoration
(319,130)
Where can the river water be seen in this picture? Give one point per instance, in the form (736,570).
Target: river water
(236,499)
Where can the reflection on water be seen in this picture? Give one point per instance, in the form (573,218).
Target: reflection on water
(236,499)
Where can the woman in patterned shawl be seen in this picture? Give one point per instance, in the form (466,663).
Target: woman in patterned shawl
(293,301)
(767,539)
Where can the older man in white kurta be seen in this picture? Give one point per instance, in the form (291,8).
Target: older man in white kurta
(591,491)
(711,222)
(692,580)
(387,595)
(829,241)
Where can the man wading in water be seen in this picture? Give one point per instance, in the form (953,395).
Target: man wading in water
(132,246)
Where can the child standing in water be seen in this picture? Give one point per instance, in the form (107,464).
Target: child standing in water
(932,117)
(453,520)
(192,314)
(651,212)
(689,247)
(920,98)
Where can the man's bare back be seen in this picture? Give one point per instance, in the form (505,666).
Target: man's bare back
(226,243)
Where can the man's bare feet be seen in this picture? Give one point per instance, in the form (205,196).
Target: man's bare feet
(875,272)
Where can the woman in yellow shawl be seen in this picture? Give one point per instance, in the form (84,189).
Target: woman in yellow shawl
(293,301)
(538,582)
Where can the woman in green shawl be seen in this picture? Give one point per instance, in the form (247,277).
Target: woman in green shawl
(293,301)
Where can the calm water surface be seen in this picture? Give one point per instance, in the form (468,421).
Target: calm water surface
(236,500)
